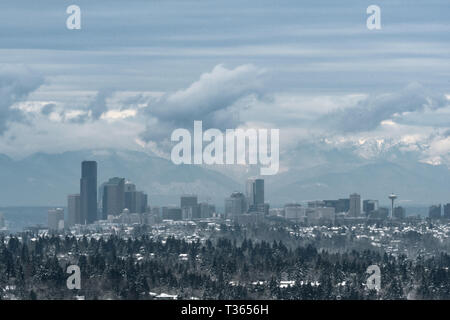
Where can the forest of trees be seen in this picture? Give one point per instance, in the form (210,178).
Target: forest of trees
(220,268)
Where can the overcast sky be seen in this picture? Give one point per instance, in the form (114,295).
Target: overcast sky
(138,69)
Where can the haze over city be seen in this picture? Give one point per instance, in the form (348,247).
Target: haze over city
(248,151)
(352,104)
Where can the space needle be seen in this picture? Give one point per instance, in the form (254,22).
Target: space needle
(392,196)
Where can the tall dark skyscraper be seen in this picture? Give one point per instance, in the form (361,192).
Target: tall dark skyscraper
(447,211)
(114,197)
(255,193)
(355,205)
(74,210)
(259,191)
(88,191)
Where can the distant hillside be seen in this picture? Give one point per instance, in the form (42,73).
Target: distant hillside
(47,179)
(414,183)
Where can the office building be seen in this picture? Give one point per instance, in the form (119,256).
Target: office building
(262,208)
(399,213)
(235,205)
(2,221)
(141,202)
(129,186)
(447,211)
(340,205)
(355,205)
(56,219)
(189,206)
(74,210)
(320,215)
(295,212)
(316,204)
(255,194)
(149,218)
(156,211)
(164,212)
(172,213)
(88,191)
(380,214)
(435,212)
(135,201)
(206,210)
(277,212)
(370,206)
(113,197)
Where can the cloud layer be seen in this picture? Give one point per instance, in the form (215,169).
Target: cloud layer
(216,98)
(16,83)
(411,121)
(369,113)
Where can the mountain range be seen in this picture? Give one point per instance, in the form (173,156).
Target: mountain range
(45,179)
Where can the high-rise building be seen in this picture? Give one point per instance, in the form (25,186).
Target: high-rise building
(447,211)
(340,205)
(235,205)
(382,213)
(130,200)
(88,191)
(2,221)
(316,204)
(206,210)
(370,206)
(320,215)
(135,201)
(189,205)
(263,208)
(435,212)
(56,219)
(249,192)
(130,196)
(295,212)
(113,197)
(141,202)
(259,192)
(173,213)
(399,213)
(156,211)
(255,193)
(164,212)
(355,205)
(129,186)
(74,210)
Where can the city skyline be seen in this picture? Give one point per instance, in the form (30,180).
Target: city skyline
(231,151)
(203,208)
(119,200)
